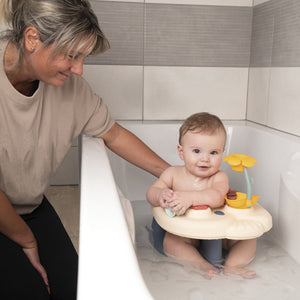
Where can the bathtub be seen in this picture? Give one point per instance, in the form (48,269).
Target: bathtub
(109,267)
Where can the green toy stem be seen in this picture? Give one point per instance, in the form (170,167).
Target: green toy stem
(249,187)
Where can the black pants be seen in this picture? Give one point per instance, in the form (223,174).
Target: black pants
(18,278)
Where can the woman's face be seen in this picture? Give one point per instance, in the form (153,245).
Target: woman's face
(55,70)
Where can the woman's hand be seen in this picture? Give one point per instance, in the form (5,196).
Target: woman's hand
(16,229)
(33,256)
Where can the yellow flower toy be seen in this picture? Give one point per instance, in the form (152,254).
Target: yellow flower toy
(240,163)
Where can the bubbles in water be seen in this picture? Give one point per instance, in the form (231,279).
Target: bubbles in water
(167,278)
(195,294)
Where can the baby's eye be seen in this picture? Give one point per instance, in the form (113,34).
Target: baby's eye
(214,152)
(196,151)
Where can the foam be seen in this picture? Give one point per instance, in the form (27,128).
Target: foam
(278,275)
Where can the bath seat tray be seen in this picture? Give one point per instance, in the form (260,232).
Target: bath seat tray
(224,222)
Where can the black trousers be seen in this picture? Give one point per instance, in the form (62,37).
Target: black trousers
(18,278)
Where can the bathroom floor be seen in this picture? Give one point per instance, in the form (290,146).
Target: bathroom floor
(65,200)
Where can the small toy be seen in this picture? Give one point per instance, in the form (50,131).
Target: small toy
(240,163)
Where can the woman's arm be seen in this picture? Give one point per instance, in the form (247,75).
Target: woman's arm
(14,227)
(130,147)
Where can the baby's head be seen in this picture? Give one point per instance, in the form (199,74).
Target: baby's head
(201,144)
(203,122)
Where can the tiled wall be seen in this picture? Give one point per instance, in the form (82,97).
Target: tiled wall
(171,58)
(274,77)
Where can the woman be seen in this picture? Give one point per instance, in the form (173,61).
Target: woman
(44,105)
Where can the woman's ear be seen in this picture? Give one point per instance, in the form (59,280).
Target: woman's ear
(180,151)
(32,39)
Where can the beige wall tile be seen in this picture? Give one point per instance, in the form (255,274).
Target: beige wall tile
(258,89)
(176,92)
(121,88)
(284,100)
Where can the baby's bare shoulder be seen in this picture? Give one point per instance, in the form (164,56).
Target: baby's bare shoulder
(219,179)
(173,170)
(172,173)
(220,174)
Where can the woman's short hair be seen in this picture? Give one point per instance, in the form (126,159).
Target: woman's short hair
(68,24)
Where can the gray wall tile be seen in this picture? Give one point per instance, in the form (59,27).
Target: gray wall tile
(200,35)
(191,35)
(174,35)
(123,25)
(286,45)
(262,35)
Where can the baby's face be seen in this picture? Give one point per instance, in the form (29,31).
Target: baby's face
(202,153)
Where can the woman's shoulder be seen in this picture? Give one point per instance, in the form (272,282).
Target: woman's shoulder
(77,84)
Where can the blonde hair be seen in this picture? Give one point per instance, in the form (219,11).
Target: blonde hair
(203,123)
(69,24)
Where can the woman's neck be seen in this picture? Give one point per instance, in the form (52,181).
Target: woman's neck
(17,73)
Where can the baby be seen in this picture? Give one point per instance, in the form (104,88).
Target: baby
(199,181)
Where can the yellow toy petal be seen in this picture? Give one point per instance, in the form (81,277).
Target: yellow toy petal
(238,168)
(249,161)
(237,161)
(233,160)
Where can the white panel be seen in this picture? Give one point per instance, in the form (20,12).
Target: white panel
(290,206)
(205,2)
(257,105)
(257,2)
(121,88)
(284,104)
(174,93)
(102,219)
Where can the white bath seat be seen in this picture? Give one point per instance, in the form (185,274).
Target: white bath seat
(224,222)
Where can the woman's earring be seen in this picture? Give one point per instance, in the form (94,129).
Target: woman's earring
(32,48)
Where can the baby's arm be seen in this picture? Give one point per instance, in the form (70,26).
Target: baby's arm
(161,190)
(213,195)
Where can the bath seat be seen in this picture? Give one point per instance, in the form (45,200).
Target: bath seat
(241,218)
(224,222)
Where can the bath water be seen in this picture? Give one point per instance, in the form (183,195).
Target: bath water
(278,275)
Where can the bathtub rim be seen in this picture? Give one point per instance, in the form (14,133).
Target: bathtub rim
(99,277)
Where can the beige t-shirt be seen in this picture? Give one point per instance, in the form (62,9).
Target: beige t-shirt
(36,132)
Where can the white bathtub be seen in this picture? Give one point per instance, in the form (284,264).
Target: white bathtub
(108,266)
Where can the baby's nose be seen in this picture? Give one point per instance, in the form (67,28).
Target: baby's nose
(204,157)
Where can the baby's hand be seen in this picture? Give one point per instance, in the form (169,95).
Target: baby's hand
(165,196)
(179,202)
